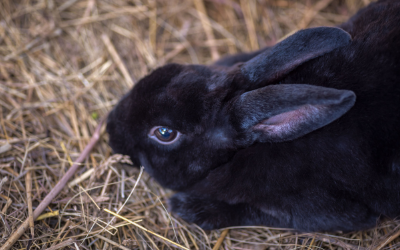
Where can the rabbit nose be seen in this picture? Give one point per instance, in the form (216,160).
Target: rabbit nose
(116,140)
(110,120)
(110,128)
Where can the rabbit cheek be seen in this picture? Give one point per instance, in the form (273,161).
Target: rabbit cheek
(218,136)
(116,141)
(145,163)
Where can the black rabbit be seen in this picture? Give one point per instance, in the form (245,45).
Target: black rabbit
(304,135)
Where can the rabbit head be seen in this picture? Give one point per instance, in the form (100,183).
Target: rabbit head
(177,99)
(182,121)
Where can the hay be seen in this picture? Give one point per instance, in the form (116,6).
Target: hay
(65,64)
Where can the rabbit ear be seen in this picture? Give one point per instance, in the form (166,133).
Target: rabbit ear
(298,48)
(285,112)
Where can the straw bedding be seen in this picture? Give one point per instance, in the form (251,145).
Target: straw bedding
(65,63)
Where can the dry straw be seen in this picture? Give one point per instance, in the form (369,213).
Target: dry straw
(65,63)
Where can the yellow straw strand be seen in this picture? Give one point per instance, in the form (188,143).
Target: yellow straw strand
(144,229)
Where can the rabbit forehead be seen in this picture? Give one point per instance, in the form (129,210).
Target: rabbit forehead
(182,100)
(209,76)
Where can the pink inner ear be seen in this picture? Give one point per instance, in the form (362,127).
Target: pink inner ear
(287,122)
(282,118)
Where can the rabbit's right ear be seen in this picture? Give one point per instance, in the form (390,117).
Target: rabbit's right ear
(293,51)
(285,112)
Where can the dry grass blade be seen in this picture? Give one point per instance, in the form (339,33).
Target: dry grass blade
(387,240)
(146,230)
(220,239)
(112,242)
(336,242)
(48,215)
(29,200)
(117,59)
(81,178)
(62,244)
(207,27)
(4,148)
(54,192)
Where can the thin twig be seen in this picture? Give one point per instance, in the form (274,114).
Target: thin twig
(57,188)
(28,183)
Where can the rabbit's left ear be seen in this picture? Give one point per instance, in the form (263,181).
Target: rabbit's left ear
(285,112)
(293,51)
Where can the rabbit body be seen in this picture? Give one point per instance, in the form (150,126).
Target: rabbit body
(304,135)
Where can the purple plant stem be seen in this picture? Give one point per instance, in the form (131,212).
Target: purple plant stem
(56,190)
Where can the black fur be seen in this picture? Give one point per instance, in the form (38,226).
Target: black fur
(302,135)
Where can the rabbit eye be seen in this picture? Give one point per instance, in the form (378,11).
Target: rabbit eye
(164,135)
